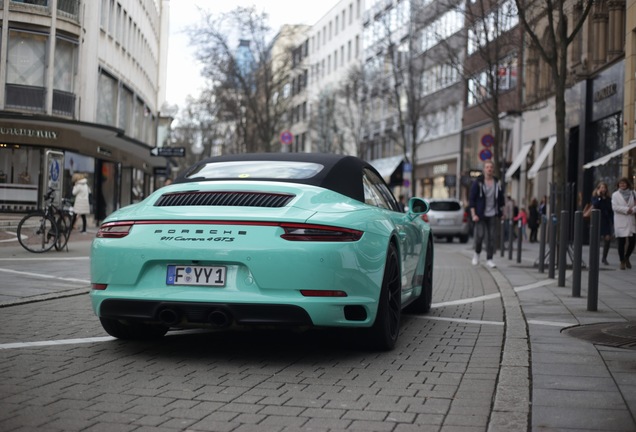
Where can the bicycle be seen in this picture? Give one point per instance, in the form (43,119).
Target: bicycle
(41,230)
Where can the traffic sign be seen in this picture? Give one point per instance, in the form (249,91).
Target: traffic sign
(487,140)
(168,151)
(485,155)
(286,137)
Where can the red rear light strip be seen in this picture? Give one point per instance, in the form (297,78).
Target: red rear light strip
(293,231)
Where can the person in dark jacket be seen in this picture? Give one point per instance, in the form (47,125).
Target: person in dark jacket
(534,219)
(602,200)
(486,202)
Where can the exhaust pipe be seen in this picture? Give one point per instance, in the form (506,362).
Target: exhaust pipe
(219,318)
(169,316)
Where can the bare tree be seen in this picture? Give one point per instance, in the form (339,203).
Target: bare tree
(246,76)
(353,93)
(552,27)
(491,66)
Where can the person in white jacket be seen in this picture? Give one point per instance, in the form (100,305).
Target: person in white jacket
(624,206)
(81,192)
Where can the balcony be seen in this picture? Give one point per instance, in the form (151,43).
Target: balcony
(25,97)
(63,103)
(65,8)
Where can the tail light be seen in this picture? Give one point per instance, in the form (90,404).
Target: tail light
(306,232)
(99,287)
(465,217)
(425,218)
(114,230)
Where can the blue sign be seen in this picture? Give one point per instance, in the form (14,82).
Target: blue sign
(485,155)
(286,137)
(487,140)
(54,170)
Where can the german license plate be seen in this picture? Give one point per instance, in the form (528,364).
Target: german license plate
(196,275)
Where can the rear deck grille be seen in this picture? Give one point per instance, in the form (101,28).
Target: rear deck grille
(226,199)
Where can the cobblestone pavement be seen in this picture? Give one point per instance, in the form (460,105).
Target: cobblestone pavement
(493,355)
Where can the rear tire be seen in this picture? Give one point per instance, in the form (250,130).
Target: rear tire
(384,333)
(463,239)
(132,330)
(422,304)
(449,239)
(37,232)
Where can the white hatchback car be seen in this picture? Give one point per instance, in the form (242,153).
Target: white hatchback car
(448,218)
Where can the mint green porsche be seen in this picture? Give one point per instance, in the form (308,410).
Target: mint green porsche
(276,239)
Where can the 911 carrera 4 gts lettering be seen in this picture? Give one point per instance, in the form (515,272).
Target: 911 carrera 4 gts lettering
(198,239)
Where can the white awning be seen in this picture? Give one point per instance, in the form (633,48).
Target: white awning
(547,149)
(605,159)
(387,166)
(521,156)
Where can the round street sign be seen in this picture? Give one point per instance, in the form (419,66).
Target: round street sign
(286,137)
(487,140)
(485,155)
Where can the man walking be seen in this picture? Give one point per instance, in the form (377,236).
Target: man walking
(486,202)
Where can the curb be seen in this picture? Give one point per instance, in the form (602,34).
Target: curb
(512,398)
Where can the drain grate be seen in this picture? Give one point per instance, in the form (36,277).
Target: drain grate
(615,334)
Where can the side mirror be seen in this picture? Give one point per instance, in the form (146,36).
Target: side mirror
(418,206)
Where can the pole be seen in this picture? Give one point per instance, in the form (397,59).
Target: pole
(577,254)
(592,281)
(542,240)
(563,246)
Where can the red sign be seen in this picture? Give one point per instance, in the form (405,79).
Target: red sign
(286,137)
(487,140)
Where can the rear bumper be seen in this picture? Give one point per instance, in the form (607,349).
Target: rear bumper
(453,230)
(199,313)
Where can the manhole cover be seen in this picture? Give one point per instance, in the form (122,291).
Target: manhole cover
(620,335)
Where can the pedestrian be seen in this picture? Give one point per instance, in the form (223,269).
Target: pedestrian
(601,200)
(523,217)
(486,201)
(543,206)
(624,207)
(402,203)
(81,192)
(534,219)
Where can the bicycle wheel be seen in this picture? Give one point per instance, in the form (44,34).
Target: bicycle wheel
(64,231)
(37,232)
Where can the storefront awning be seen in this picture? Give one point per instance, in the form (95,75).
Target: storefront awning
(547,149)
(388,166)
(605,159)
(518,160)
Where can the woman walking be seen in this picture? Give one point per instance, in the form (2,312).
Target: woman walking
(624,207)
(601,200)
(81,192)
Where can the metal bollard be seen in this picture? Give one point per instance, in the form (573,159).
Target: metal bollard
(502,238)
(592,281)
(577,254)
(542,240)
(563,246)
(552,259)
(519,242)
(511,237)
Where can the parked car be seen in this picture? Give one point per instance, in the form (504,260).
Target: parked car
(291,239)
(448,218)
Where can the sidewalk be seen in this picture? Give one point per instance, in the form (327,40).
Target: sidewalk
(582,364)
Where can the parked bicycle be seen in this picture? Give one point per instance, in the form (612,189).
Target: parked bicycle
(41,230)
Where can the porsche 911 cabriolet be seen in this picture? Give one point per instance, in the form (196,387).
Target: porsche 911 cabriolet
(276,239)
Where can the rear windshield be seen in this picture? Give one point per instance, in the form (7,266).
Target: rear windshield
(445,206)
(257,169)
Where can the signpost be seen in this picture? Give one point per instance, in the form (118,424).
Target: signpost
(168,151)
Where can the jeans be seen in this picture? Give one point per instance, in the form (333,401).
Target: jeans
(486,228)
(625,252)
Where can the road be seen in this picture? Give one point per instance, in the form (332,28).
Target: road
(60,371)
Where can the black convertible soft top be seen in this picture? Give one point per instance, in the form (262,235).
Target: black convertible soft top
(341,173)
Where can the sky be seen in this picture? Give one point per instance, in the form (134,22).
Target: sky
(184,72)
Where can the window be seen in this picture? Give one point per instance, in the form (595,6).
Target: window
(107,99)
(26,63)
(376,193)
(64,67)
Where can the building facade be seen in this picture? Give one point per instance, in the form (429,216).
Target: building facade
(81,89)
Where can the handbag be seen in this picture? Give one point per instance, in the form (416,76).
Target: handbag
(587,211)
